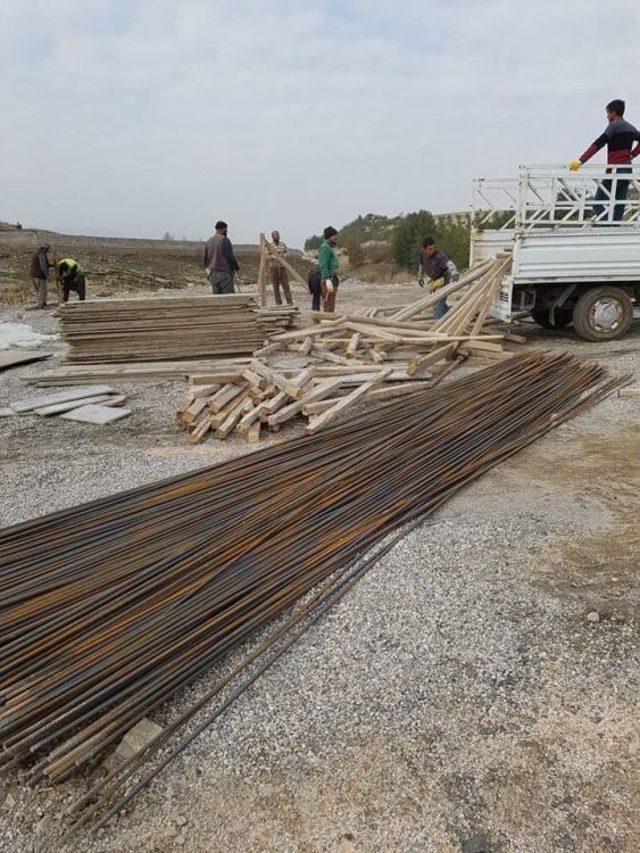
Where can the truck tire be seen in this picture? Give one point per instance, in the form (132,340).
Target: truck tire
(562,317)
(603,314)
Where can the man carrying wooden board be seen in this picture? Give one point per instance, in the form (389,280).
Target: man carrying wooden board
(279,275)
(219,261)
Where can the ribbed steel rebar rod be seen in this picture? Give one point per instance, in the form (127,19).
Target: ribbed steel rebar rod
(107,610)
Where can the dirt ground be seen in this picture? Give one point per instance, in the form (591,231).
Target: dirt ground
(477,690)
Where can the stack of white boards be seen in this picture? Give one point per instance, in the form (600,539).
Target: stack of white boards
(90,404)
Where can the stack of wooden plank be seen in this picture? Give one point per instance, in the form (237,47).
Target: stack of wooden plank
(263,397)
(343,360)
(171,328)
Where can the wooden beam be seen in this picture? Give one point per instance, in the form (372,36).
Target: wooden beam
(358,393)
(262,273)
(421,361)
(324,389)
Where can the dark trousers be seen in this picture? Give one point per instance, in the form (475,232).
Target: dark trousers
(605,193)
(314,289)
(221,282)
(76,283)
(329,299)
(280,279)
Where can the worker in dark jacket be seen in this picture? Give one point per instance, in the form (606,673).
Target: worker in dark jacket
(71,277)
(619,137)
(39,271)
(219,261)
(435,265)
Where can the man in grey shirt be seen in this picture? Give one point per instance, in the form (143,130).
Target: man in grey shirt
(219,260)
(435,265)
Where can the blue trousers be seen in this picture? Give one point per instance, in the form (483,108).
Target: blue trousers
(440,309)
(604,193)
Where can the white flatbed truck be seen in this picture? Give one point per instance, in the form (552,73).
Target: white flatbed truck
(576,258)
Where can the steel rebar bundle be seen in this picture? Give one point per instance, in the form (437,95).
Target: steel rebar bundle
(106,610)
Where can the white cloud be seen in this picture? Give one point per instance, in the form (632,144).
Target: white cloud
(135,117)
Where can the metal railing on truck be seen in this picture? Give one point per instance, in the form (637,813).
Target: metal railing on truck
(553,197)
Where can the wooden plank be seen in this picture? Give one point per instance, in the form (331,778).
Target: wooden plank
(321,421)
(268,349)
(316,316)
(490,356)
(249,418)
(327,355)
(201,429)
(481,344)
(253,433)
(58,408)
(322,329)
(277,379)
(197,391)
(262,272)
(237,402)
(272,405)
(322,390)
(416,365)
(28,404)
(253,378)
(353,345)
(14,357)
(193,411)
(231,376)
(373,331)
(306,345)
(388,392)
(96,414)
(232,419)
(224,396)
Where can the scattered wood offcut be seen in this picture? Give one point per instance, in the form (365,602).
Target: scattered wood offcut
(342,360)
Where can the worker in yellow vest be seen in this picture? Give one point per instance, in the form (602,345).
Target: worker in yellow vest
(71,277)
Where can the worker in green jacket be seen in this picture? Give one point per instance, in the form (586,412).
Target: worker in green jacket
(327,273)
(71,277)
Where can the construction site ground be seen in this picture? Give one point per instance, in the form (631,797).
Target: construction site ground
(477,687)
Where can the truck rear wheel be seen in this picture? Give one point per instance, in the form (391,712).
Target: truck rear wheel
(603,314)
(561,316)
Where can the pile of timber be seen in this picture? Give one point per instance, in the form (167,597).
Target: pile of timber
(344,360)
(171,328)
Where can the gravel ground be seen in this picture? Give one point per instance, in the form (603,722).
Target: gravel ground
(479,684)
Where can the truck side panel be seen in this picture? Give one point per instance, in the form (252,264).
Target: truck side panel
(599,255)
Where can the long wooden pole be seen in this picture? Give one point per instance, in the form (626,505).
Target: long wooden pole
(262,273)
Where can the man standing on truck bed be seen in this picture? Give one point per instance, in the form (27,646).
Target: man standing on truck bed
(219,260)
(619,137)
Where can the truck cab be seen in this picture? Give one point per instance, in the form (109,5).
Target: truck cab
(575,245)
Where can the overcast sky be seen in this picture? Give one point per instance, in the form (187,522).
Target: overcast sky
(133,117)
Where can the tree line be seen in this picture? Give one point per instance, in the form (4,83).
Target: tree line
(399,239)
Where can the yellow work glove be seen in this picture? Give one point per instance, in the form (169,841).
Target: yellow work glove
(574,165)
